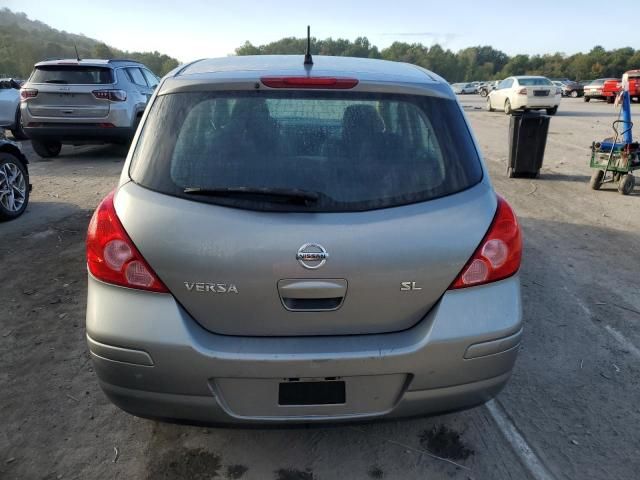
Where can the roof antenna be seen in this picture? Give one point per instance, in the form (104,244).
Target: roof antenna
(308,60)
(77,54)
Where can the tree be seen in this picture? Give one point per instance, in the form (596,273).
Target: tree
(481,62)
(101,50)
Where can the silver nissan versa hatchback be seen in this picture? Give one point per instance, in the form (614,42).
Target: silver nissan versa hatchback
(297,243)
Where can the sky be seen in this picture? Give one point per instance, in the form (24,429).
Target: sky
(192,29)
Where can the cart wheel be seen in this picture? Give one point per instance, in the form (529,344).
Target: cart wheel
(627,182)
(596,179)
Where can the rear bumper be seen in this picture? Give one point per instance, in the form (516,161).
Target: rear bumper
(153,360)
(79,133)
(541,102)
(121,116)
(207,409)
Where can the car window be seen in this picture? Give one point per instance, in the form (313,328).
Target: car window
(136,76)
(72,74)
(505,83)
(533,82)
(152,80)
(357,151)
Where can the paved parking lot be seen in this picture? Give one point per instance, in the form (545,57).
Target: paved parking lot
(571,410)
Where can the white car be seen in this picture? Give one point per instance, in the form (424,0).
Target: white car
(10,107)
(525,93)
(462,88)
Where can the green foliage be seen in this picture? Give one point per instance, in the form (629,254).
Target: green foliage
(24,42)
(473,63)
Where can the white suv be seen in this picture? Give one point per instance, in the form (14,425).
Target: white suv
(525,93)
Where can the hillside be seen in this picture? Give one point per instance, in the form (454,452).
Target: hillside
(24,42)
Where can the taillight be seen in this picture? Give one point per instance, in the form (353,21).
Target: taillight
(111,255)
(499,253)
(522,91)
(26,93)
(339,83)
(113,95)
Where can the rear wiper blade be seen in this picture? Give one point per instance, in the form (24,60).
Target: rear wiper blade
(281,194)
(56,81)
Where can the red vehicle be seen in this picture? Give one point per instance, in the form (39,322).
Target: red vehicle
(633,77)
(602,89)
(611,87)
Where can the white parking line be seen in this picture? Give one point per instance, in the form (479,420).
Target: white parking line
(622,340)
(527,456)
(619,337)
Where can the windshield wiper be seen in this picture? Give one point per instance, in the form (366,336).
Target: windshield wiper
(291,195)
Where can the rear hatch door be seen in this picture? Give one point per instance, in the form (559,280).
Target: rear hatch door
(363,208)
(66,91)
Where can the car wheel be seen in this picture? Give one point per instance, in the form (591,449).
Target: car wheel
(626,184)
(489,107)
(507,107)
(17,131)
(46,149)
(596,179)
(483,93)
(574,94)
(610,99)
(552,111)
(586,99)
(14,187)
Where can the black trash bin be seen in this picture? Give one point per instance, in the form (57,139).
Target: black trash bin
(527,140)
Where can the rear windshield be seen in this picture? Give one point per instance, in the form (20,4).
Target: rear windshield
(72,74)
(530,82)
(352,151)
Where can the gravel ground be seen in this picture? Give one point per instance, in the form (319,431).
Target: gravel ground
(570,411)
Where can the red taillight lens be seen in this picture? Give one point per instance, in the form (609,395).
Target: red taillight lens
(26,93)
(522,91)
(499,254)
(112,95)
(310,82)
(111,255)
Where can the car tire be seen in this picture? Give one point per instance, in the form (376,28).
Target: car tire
(626,184)
(489,107)
(573,94)
(507,107)
(483,93)
(610,99)
(14,178)
(17,131)
(552,111)
(596,179)
(46,149)
(586,99)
